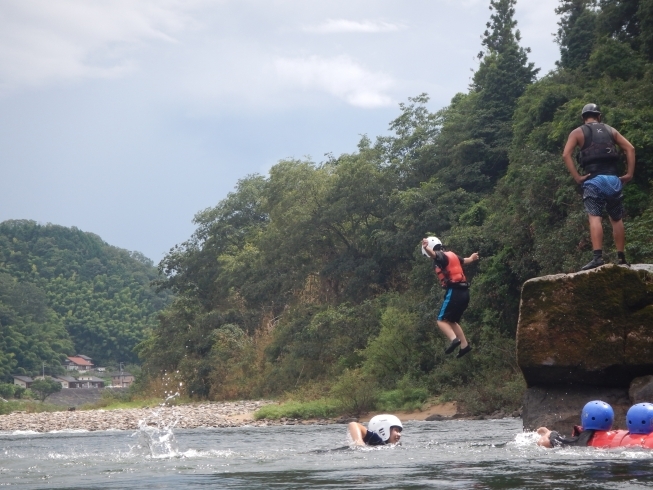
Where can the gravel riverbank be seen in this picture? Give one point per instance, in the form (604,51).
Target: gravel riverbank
(226,414)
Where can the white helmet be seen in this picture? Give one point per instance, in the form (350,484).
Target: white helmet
(433,241)
(381,425)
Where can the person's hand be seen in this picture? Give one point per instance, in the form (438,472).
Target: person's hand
(581,178)
(474,256)
(425,242)
(626,178)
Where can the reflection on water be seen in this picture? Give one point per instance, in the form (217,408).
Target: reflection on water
(446,454)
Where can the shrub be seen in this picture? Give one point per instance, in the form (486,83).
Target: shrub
(317,409)
(7,390)
(407,397)
(45,387)
(355,391)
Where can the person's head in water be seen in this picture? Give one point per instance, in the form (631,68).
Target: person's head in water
(387,426)
(382,429)
(596,416)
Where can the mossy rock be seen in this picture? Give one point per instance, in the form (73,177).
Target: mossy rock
(593,327)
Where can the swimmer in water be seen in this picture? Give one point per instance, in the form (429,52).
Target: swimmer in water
(381,430)
(596,416)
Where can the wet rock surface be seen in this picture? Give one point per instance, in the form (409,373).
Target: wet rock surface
(591,328)
(641,390)
(559,408)
(226,414)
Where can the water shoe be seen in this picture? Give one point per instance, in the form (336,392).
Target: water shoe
(464,351)
(593,264)
(452,346)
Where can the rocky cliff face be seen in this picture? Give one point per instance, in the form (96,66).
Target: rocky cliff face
(584,336)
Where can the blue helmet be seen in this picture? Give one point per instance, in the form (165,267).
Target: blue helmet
(640,418)
(597,415)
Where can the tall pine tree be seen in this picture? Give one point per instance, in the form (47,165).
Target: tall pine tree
(577,32)
(502,77)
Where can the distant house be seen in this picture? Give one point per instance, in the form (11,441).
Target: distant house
(24,381)
(122,380)
(67,381)
(87,381)
(78,363)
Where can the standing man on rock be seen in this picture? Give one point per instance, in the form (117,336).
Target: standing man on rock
(602,186)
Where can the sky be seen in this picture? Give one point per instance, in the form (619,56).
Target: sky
(125,118)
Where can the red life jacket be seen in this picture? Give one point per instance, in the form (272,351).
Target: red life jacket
(607,438)
(620,438)
(453,273)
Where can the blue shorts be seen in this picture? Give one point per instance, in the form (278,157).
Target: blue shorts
(454,305)
(604,191)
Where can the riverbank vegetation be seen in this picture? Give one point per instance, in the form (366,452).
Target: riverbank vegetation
(312,275)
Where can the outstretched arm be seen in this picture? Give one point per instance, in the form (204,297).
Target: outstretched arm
(471,258)
(357,432)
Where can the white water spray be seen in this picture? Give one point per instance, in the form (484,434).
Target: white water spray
(155,433)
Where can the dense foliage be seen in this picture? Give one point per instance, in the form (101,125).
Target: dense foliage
(312,276)
(64,291)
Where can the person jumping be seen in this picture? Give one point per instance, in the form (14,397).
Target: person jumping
(448,268)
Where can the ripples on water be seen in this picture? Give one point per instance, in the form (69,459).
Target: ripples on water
(447,454)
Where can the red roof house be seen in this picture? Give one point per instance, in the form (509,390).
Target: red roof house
(78,363)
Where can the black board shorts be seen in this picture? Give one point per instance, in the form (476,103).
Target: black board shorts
(454,304)
(596,198)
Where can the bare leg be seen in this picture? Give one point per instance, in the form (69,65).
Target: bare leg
(458,330)
(596,232)
(447,329)
(453,330)
(619,234)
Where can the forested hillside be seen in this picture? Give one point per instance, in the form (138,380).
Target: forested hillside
(312,276)
(64,291)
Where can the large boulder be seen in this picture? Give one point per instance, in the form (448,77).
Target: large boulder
(591,328)
(641,390)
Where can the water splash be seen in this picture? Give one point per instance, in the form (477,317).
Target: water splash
(155,433)
(525,439)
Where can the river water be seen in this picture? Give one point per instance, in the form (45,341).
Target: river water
(447,454)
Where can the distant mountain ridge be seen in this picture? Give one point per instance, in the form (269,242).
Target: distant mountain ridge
(63,290)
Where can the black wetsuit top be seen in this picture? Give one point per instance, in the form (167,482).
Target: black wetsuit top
(580,438)
(373,439)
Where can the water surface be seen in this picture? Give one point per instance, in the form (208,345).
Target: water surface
(447,454)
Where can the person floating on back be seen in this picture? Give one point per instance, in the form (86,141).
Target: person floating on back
(597,418)
(602,186)
(448,268)
(381,430)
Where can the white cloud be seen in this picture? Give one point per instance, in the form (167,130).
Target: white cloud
(343,25)
(45,41)
(341,77)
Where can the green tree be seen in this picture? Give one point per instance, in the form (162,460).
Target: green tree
(45,387)
(502,77)
(577,32)
(64,291)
